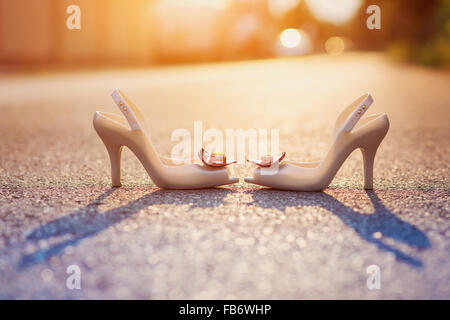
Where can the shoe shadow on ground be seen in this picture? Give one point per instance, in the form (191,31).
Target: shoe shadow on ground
(367,225)
(89,221)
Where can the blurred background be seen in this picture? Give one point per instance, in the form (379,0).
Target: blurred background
(33,33)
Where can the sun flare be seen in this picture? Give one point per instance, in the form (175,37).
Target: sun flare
(290,38)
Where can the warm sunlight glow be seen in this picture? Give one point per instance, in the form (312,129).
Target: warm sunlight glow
(217,4)
(334,11)
(335,46)
(293,42)
(290,38)
(278,8)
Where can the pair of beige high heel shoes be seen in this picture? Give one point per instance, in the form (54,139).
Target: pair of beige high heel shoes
(351,131)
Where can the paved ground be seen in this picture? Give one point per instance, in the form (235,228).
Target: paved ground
(241,241)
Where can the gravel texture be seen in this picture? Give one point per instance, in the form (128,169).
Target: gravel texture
(241,241)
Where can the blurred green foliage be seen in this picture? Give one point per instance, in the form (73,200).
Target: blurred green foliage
(431,46)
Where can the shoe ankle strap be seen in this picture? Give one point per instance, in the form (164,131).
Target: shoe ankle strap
(354,112)
(129,110)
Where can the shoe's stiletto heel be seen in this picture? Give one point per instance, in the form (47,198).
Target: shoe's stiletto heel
(117,131)
(368,162)
(352,131)
(115,154)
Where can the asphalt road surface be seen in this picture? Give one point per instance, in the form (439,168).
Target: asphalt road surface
(240,241)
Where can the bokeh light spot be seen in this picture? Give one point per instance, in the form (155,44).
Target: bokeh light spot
(290,38)
(335,46)
(332,11)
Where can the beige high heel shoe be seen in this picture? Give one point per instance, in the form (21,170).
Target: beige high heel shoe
(351,131)
(114,131)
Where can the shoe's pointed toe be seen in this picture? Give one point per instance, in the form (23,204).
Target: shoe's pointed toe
(233,180)
(249,179)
